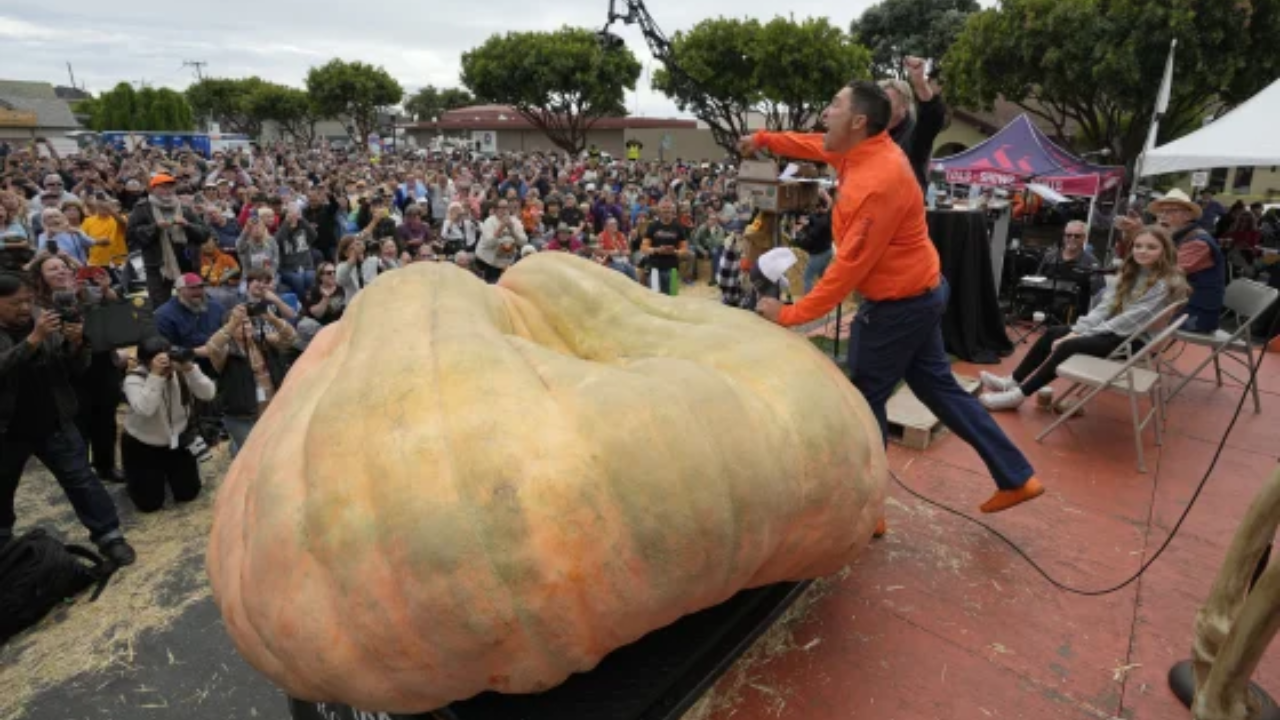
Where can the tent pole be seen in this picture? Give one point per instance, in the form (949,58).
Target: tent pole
(1088,223)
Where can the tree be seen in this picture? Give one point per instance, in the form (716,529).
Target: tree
(291,108)
(562,81)
(1102,93)
(785,70)
(354,91)
(431,102)
(148,109)
(830,58)
(716,77)
(226,102)
(894,29)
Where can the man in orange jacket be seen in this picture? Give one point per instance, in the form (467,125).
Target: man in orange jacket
(884,252)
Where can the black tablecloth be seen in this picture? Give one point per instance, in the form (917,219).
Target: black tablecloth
(973,327)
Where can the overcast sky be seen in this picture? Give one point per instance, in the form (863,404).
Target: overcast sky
(418,43)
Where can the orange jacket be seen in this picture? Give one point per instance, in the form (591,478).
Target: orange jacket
(882,245)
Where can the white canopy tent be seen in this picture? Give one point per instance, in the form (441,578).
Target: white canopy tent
(1244,137)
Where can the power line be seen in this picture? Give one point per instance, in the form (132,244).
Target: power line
(198,65)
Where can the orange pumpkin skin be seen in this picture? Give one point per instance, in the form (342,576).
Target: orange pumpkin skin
(465,487)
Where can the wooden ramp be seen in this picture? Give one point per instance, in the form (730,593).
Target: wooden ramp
(910,422)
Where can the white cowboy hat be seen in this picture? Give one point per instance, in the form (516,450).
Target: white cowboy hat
(1176,198)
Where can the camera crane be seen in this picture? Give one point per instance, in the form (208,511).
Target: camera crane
(702,105)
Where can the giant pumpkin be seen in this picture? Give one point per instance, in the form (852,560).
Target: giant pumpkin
(465,487)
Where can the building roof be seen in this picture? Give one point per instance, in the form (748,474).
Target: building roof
(39,98)
(505,117)
(1004,112)
(71,94)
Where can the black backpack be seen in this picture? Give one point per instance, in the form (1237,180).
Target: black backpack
(38,573)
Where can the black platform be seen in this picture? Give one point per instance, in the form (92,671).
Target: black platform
(658,677)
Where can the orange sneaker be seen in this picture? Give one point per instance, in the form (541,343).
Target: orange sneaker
(882,527)
(1005,499)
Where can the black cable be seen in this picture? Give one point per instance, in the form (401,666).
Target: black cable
(1222,444)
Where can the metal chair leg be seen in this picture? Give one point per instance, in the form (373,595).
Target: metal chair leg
(1137,431)
(1217,369)
(1248,352)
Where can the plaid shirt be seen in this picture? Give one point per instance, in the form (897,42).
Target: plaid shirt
(1137,311)
(729,275)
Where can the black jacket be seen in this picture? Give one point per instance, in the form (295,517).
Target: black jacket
(53,350)
(144,235)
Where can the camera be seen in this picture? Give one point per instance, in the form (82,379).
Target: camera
(196,445)
(179,354)
(258,309)
(67,307)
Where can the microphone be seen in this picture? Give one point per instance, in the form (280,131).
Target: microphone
(1104,152)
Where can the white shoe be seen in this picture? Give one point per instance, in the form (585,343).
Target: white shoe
(1005,400)
(996,382)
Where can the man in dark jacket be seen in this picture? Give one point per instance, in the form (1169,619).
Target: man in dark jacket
(37,416)
(169,236)
(918,116)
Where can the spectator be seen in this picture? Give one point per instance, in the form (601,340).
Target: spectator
(294,241)
(1199,256)
(256,248)
(189,318)
(38,359)
(613,251)
(501,238)
(414,232)
(664,242)
(156,445)
(247,355)
(1149,280)
(62,239)
(351,274)
(708,242)
(220,272)
(106,224)
(326,300)
(565,241)
(459,232)
(59,289)
(164,230)
(223,228)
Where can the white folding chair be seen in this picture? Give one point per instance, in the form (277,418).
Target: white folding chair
(1138,376)
(1246,300)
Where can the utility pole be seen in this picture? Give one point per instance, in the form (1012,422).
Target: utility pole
(198,65)
(72,73)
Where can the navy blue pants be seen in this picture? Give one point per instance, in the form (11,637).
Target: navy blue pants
(902,340)
(65,455)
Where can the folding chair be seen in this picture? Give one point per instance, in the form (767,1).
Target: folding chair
(1123,376)
(1246,300)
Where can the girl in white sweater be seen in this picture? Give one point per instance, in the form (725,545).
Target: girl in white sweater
(161,396)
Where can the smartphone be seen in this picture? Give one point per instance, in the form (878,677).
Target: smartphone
(51,247)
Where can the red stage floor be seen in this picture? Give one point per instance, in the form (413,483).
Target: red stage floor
(941,620)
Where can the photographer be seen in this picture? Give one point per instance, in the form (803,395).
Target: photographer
(262,299)
(250,367)
(72,295)
(159,444)
(38,359)
(501,237)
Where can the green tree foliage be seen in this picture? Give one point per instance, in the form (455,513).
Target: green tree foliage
(431,102)
(291,108)
(786,70)
(562,81)
(226,102)
(895,29)
(1092,68)
(355,92)
(800,66)
(148,109)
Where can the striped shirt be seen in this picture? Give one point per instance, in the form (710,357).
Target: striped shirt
(1136,313)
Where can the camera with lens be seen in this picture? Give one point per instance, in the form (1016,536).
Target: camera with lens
(195,444)
(67,307)
(258,309)
(181,355)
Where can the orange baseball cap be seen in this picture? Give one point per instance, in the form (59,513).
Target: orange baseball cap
(161,179)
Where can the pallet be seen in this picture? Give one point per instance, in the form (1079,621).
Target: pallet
(910,422)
